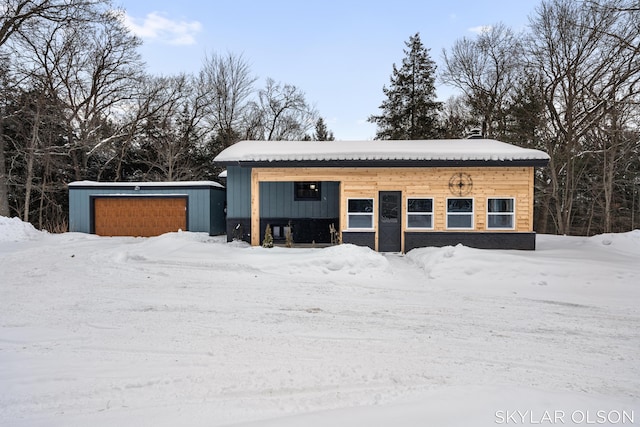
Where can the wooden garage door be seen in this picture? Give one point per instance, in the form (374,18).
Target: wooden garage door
(139,216)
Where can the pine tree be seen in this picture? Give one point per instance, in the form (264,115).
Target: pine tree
(410,110)
(268,237)
(322,133)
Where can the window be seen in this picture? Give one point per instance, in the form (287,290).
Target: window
(460,213)
(419,213)
(307,190)
(501,213)
(389,204)
(360,213)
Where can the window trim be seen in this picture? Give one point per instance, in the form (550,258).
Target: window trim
(371,214)
(432,213)
(513,214)
(317,197)
(472,213)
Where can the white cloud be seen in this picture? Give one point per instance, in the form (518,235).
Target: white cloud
(157,27)
(480,29)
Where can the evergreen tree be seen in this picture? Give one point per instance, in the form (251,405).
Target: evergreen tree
(322,133)
(267,242)
(410,110)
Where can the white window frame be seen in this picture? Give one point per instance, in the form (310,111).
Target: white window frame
(371,214)
(472,213)
(421,213)
(513,213)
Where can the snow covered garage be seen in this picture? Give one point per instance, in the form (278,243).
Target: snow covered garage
(392,196)
(146,208)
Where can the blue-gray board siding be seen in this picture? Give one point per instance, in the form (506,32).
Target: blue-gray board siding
(199,205)
(238,192)
(277,199)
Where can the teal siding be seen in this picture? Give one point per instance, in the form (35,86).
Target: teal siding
(277,198)
(79,211)
(277,201)
(238,192)
(199,207)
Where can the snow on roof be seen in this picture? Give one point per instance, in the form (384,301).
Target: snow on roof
(146,184)
(424,150)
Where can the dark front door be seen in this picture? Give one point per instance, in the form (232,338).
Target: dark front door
(389,221)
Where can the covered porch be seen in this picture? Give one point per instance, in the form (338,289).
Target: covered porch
(308,205)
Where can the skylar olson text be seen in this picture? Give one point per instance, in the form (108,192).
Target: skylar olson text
(562,417)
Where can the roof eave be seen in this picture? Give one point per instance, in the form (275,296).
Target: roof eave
(385,163)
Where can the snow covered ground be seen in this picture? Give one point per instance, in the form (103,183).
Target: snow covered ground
(186,329)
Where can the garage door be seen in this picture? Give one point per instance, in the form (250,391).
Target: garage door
(139,216)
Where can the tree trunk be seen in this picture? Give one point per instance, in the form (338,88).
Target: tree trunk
(41,215)
(30,153)
(27,186)
(607,177)
(43,189)
(4,178)
(544,214)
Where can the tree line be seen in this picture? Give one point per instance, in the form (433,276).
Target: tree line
(77,104)
(568,85)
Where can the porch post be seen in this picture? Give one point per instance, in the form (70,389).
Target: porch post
(255,208)
(531,201)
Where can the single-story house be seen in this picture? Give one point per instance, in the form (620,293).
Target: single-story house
(146,208)
(392,196)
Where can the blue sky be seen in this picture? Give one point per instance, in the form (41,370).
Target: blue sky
(339,53)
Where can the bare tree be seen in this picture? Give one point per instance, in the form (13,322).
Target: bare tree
(37,135)
(456,118)
(587,74)
(155,101)
(4,178)
(170,137)
(15,16)
(613,143)
(282,112)
(33,141)
(225,84)
(92,69)
(485,69)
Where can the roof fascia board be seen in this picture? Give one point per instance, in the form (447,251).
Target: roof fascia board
(142,186)
(387,163)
